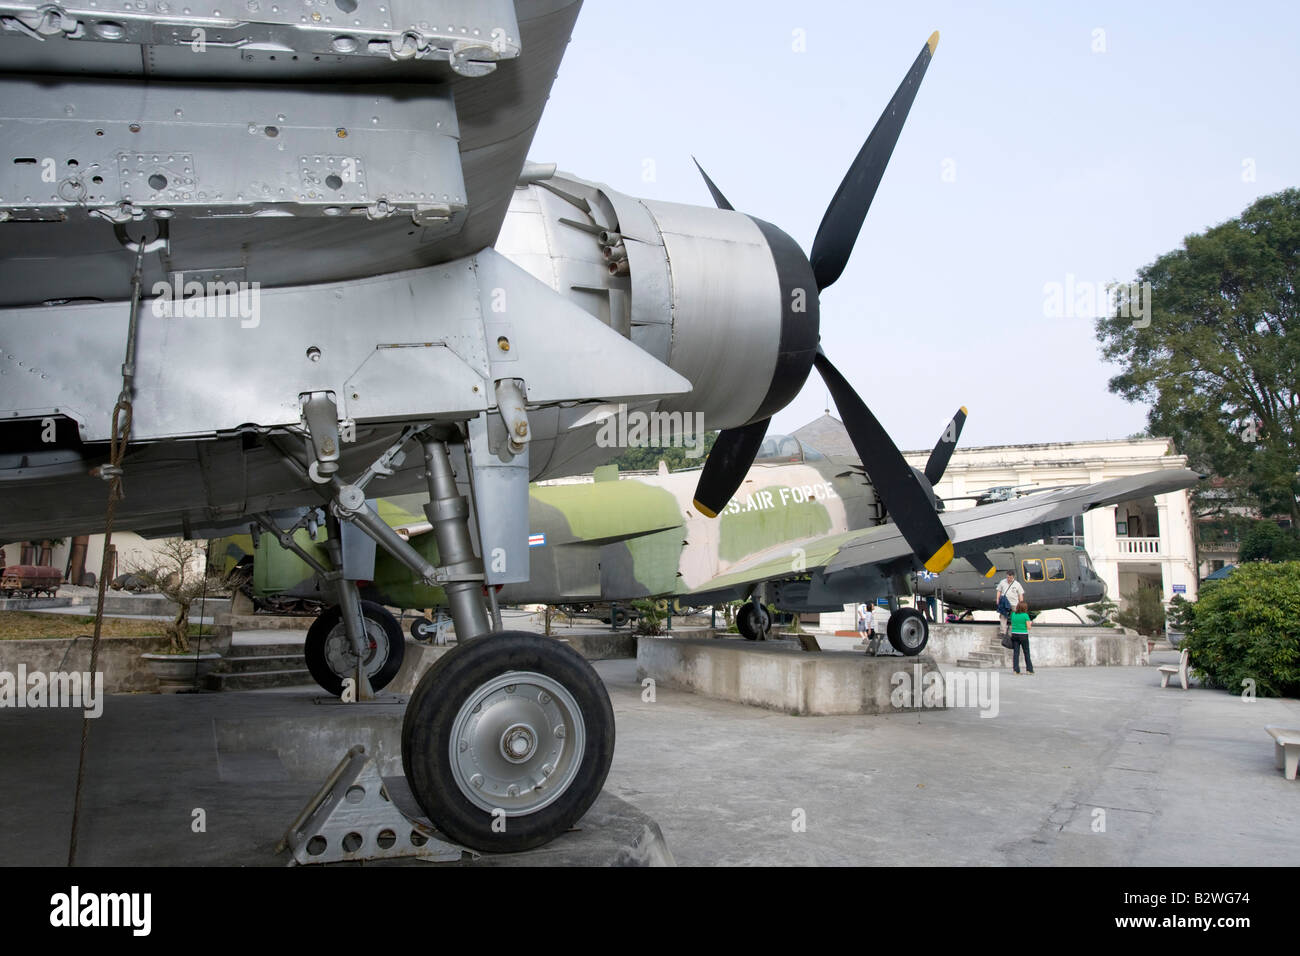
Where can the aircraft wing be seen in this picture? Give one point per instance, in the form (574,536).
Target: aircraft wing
(972,530)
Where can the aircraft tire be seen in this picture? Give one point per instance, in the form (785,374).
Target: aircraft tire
(752,625)
(908,631)
(482,721)
(329,653)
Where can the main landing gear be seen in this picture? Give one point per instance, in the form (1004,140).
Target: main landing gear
(908,631)
(754,621)
(507,741)
(508,737)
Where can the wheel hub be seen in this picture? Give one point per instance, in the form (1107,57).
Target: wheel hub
(912,631)
(517,743)
(341,656)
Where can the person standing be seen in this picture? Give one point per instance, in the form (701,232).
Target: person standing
(1013,591)
(1020,637)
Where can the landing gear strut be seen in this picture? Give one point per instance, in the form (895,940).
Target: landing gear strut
(508,737)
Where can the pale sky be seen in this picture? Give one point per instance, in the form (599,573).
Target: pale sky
(1060,161)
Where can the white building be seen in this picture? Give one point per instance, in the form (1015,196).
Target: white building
(1145,541)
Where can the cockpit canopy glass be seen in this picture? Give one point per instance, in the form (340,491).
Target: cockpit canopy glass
(783,449)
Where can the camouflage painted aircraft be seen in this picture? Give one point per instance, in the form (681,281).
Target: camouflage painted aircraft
(806,532)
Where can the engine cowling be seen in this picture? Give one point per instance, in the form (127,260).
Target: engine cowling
(726,300)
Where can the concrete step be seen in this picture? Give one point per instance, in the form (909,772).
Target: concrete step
(256,663)
(978,664)
(259,680)
(267,622)
(238,650)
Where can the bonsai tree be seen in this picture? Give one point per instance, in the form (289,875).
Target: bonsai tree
(176,571)
(551,614)
(1145,612)
(1103,612)
(1180,613)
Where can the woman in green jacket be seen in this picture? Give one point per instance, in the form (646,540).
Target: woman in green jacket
(1020,637)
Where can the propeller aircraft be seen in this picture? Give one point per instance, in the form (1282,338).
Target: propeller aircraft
(379,295)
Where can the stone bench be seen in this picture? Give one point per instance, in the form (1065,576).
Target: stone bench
(1169,670)
(1286,749)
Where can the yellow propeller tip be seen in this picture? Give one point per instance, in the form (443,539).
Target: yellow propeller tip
(703,510)
(990,572)
(963,410)
(933,41)
(940,559)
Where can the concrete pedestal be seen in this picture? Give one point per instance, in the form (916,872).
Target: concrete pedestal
(780,676)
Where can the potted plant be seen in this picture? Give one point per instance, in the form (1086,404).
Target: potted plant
(177,571)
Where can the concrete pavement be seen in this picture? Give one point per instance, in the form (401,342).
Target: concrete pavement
(1179,777)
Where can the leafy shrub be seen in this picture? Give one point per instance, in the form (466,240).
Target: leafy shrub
(1247,627)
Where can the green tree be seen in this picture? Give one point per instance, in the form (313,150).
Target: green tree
(1268,542)
(676,458)
(1219,360)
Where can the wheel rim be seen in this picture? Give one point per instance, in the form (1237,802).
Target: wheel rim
(517,743)
(342,659)
(912,631)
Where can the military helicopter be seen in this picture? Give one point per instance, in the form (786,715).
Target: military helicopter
(1053,576)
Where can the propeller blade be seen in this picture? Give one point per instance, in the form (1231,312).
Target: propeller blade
(719,200)
(844,216)
(893,478)
(981,563)
(943,449)
(727,465)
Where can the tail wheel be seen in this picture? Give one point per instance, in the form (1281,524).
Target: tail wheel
(507,741)
(908,631)
(754,623)
(331,657)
